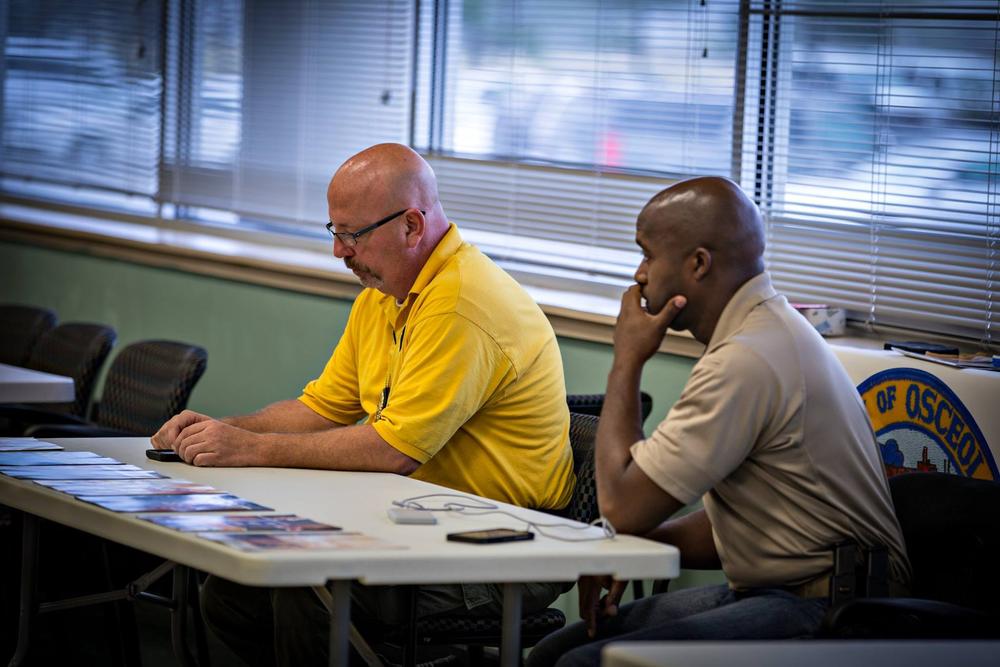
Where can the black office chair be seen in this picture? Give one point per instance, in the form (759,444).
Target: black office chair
(20,328)
(951,526)
(477,633)
(591,404)
(148,382)
(74,349)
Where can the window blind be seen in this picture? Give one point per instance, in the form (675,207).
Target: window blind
(872,145)
(555,122)
(81,94)
(868,131)
(278,95)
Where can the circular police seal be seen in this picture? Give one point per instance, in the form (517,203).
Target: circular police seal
(921,425)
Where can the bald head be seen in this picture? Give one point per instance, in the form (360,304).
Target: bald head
(388,184)
(713,213)
(385,176)
(701,239)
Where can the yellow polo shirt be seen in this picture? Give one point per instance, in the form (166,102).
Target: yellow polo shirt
(471,376)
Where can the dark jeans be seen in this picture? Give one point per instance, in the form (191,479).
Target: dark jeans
(291,626)
(707,613)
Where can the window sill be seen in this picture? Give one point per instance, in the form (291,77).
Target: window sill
(275,261)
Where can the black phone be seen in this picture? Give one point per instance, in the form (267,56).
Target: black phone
(163,455)
(491,536)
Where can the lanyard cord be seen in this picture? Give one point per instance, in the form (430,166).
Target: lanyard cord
(397,347)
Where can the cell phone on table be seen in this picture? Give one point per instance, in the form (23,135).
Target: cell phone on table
(163,455)
(491,536)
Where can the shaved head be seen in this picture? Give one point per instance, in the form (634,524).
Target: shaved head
(702,239)
(389,174)
(386,180)
(711,212)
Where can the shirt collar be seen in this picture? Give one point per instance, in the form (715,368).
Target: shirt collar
(751,294)
(446,247)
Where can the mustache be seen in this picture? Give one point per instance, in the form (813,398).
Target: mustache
(354,265)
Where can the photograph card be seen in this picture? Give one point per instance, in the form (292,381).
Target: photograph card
(197,502)
(127,487)
(54,459)
(27,445)
(301,541)
(239,523)
(121,471)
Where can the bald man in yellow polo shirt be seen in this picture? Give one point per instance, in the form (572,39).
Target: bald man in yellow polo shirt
(447,371)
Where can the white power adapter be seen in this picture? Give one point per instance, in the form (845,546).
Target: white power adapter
(409,515)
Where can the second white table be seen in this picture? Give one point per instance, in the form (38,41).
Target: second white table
(24,385)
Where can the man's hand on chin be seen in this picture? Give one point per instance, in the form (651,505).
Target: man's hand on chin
(638,333)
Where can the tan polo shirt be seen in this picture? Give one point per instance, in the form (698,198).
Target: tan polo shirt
(772,431)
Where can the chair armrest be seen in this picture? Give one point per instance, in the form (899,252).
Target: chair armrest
(907,618)
(75,431)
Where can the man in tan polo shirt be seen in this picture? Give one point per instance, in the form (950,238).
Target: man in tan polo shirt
(769,432)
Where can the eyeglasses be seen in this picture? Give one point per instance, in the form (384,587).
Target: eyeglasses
(350,239)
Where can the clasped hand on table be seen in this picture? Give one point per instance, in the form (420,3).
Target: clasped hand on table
(204,441)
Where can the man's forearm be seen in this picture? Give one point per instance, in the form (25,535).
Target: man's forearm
(358,448)
(628,498)
(622,405)
(620,426)
(290,416)
(211,442)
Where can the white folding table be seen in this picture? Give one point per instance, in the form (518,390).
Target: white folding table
(24,385)
(355,502)
(815,653)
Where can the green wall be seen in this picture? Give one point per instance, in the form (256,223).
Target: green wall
(263,344)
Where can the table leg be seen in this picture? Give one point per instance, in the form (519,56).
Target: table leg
(340,621)
(29,586)
(510,646)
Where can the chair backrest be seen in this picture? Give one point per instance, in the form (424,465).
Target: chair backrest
(78,351)
(583,505)
(591,404)
(149,382)
(951,526)
(20,327)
